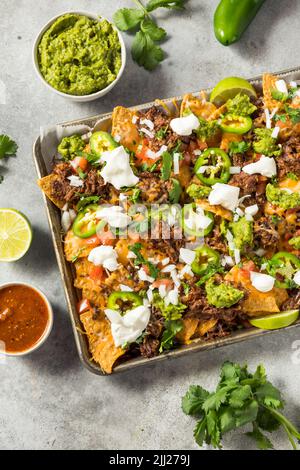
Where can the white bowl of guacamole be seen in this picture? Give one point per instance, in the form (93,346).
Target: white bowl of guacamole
(79,55)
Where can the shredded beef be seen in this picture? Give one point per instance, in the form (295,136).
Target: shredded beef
(153,189)
(265,233)
(170,247)
(255,185)
(162,121)
(289,161)
(153,332)
(92,185)
(200,308)
(293,301)
(215,240)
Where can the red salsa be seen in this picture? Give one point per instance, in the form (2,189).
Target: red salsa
(24,316)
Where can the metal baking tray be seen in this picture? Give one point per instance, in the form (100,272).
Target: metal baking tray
(67,270)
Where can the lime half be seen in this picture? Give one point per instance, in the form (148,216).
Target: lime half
(276,320)
(228,88)
(15,235)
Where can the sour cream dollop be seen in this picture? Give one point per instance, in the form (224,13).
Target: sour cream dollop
(117,170)
(185,125)
(127,328)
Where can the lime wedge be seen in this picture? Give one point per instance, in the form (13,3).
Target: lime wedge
(228,88)
(15,235)
(276,320)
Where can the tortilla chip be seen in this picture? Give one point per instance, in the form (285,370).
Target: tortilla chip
(93,290)
(227,138)
(218,210)
(188,330)
(269,84)
(257,302)
(205,326)
(101,343)
(122,276)
(199,106)
(46,186)
(218,112)
(124,129)
(76,247)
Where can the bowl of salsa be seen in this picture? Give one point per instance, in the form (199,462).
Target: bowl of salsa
(26,319)
(79,55)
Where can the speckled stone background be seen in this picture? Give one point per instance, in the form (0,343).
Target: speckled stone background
(48,400)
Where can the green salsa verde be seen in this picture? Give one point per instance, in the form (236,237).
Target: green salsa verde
(79,55)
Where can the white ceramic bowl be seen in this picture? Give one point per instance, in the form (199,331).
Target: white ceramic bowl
(48,326)
(81,98)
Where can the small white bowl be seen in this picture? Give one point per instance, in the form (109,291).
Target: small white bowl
(78,98)
(49,325)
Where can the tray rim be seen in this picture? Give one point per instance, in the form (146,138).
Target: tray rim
(67,270)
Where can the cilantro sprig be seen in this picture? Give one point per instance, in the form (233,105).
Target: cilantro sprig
(8,148)
(145,49)
(140,260)
(240,398)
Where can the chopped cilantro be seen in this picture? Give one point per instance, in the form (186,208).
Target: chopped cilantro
(240,398)
(238,147)
(139,260)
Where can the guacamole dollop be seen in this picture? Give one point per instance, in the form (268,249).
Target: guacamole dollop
(280,197)
(69,146)
(242,231)
(240,105)
(295,242)
(265,143)
(79,55)
(222,295)
(196,191)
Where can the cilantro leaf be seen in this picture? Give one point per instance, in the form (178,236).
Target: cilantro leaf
(200,432)
(238,147)
(240,398)
(261,440)
(193,400)
(136,249)
(294,114)
(171,4)
(279,95)
(149,27)
(166,165)
(8,147)
(128,18)
(239,395)
(269,395)
(145,52)
(172,328)
(215,400)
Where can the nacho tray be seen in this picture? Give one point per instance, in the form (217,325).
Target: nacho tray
(67,270)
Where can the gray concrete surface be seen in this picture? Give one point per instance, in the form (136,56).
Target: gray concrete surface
(48,400)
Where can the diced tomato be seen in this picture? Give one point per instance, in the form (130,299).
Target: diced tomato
(92,241)
(79,162)
(97,273)
(247,267)
(168,283)
(106,237)
(83,306)
(141,154)
(135,237)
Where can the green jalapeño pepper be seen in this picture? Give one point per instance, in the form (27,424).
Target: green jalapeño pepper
(213,166)
(124,301)
(205,258)
(102,142)
(232,17)
(283,266)
(190,221)
(236,124)
(86,224)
